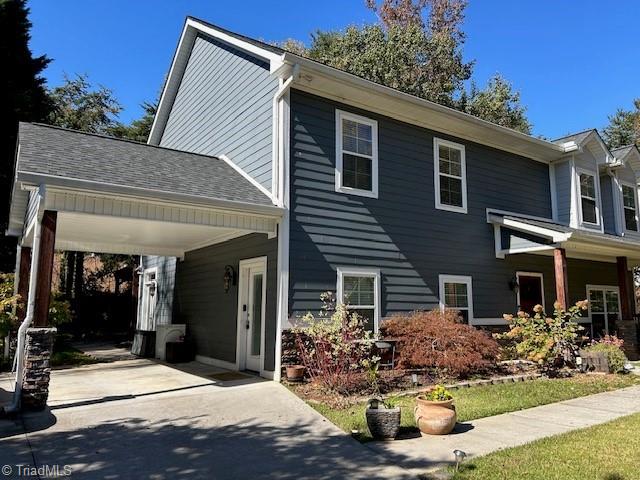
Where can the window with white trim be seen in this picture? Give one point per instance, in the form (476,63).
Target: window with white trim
(356,154)
(456,293)
(630,207)
(604,309)
(359,288)
(589,198)
(450,176)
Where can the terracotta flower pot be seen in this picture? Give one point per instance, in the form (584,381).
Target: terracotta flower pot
(435,417)
(295,373)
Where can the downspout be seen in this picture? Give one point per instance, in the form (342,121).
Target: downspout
(617,215)
(22,330)
(281,196)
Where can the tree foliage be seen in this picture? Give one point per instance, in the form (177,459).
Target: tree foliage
(497,103)
(624,127)
(139,129)
(80,106)
(416,47)
(23,97)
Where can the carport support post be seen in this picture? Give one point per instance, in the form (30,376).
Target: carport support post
(560,267)
(39,340)
(45,268)
(627,326)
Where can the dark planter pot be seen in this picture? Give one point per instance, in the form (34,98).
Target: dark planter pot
(383,423)
(295,373)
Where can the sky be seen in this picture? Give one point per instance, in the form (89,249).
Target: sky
(574,61)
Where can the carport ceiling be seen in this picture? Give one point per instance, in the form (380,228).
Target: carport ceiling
(99,233)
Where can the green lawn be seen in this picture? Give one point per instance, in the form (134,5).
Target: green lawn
(605,452)
(484,401)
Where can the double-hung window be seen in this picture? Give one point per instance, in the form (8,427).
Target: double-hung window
(359,288)
(456,293)
(604,309)
(356,154)
(589,198)
(450,176)
(630,207)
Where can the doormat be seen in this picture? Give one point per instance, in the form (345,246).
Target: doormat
(228,376)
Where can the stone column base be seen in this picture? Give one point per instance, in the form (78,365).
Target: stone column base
(627,330)
(37,367)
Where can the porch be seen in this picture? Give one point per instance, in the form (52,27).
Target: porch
(89,193)
(581,264)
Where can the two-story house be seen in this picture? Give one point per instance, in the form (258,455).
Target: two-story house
(270,178)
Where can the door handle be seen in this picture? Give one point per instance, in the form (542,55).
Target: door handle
(247,325)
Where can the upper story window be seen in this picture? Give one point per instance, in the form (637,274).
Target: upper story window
(356,154)
(360,289)
(630,207)
(456,294)
(450,176)
(589,198)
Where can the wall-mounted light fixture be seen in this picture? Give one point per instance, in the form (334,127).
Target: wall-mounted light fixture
(229,278)
(514,285)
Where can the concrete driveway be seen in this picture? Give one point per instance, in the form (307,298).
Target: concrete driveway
(141,419)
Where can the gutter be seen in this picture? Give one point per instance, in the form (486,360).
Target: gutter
(22,330)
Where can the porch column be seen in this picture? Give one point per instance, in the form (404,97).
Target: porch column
(626,310)
(24,270)
(561,276)
(627,326)
(45,268)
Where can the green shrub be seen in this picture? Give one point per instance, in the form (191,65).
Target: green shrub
(59,311)
(8,304)
(615,355)
(438,394)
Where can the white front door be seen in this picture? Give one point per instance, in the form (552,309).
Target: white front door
(252,303)
(149,300)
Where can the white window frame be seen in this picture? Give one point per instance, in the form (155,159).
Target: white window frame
(437,143)
(465,279)
(530,274)
(361,272)
(596,186)
(635,201)
(340,116)
(603,288)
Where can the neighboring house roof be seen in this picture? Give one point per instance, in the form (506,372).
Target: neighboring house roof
(629,154)
(52,153)
(317,78)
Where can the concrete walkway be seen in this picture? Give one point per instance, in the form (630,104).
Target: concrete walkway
(142,419)
(487,435)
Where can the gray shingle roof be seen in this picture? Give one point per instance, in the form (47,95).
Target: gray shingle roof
(622,151)
(539,223)
(575,137)
(69,154)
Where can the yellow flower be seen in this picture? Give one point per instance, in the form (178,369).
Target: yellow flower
(538,308)
(508,317)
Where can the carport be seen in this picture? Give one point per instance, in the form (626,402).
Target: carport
(92,193)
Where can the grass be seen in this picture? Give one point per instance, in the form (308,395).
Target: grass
(64,355)
(484,401)
(604,452)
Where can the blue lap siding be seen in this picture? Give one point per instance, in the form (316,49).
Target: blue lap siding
(401,232)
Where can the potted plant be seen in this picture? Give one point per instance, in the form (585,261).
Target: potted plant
(435,413)
(295,373)
(383,418)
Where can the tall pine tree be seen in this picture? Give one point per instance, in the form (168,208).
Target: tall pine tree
(23,97)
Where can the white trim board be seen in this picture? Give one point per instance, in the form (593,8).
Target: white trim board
(248,177)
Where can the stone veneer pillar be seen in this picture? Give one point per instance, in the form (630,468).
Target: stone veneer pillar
(37,368)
